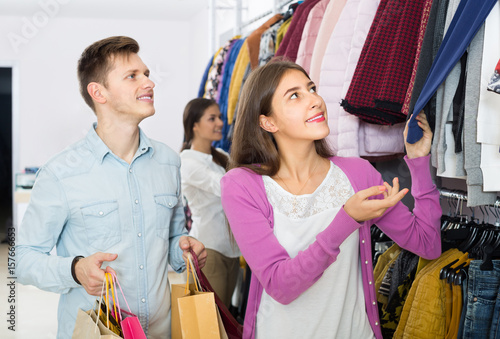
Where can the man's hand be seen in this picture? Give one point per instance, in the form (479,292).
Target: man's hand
(361,208)
(187,243)
(89,273)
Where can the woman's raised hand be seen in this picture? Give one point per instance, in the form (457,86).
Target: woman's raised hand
(361,208)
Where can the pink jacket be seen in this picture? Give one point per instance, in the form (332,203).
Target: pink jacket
(251,218)
(309,34)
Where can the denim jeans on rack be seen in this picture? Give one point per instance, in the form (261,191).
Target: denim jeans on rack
(495,324)
(482,295)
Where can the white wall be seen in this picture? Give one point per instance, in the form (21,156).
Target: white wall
(52,113)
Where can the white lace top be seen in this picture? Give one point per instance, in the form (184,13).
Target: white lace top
(334,306)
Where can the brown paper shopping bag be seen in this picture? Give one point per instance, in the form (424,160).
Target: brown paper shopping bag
(194,313)
(86,328)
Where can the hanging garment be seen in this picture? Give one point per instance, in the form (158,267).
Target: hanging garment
(240,66)
(465,24)
(310,33)
(290,44)
(282,30)
(201,90)
(403,275)
(425,303)
(328,23)
(482,291)
(379,85)
(223,70)
(267,44)
(254,39)
(215,74)
(443,156)
(494,84)
(488,116)
(224,143)
(424,60)
(339,63)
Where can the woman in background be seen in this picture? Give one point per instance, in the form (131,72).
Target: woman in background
(302,216)
(202,167)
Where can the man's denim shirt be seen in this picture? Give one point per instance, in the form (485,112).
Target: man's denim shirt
(87,200)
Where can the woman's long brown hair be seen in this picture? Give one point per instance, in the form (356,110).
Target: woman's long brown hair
(252,146)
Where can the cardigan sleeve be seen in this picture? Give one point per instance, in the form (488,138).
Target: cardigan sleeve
(250,217)
(418,232)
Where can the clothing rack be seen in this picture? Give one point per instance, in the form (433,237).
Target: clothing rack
(276,9)
(460,195)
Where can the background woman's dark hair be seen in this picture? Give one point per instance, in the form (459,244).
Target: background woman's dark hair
(192,114)
(253,147)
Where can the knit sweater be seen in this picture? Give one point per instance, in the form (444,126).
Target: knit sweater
(251,218)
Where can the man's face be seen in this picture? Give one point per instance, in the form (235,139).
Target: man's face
(129,91)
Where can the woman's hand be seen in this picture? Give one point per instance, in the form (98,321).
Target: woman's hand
(361,208)
(422,147)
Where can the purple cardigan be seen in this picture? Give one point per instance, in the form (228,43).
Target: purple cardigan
(251,218)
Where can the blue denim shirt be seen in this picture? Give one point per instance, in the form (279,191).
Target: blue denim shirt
(86,200)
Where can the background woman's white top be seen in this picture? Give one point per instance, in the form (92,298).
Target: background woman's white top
(200,180)
(334,306)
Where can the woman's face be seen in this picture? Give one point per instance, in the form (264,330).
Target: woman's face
(298,111)
(210,125)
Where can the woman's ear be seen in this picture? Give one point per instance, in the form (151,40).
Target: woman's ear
(267,123)
(95,92)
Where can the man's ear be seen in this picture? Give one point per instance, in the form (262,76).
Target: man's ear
(267,123)
(95,91)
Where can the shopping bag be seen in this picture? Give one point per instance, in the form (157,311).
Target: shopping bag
(194,312)
(87,328)
(129,322)
(97,323)
(232,328)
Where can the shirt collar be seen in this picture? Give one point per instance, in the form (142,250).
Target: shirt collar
(100,149)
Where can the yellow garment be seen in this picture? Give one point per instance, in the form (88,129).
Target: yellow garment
(456,312)
(281,33)
(239,69)
(383,263)
(424,313)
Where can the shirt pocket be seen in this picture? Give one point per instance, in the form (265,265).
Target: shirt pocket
(165,205)
(102,224)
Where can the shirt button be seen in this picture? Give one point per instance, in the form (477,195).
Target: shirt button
(130,170)
(366,262)
(143,300)
(169,204)
(139,234)
(136,201)
(141,267)
(363,241)
(369,282)
(373,302)
(376,323)
(101,213)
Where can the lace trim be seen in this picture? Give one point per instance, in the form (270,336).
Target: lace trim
(332,192)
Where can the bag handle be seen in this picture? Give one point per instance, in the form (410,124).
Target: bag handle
(115,279)
(190,268)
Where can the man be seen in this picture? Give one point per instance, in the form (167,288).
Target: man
(112,198)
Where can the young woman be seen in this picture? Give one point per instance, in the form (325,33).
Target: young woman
(302,217)
(202,167)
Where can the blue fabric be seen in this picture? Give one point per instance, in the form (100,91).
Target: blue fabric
(469,17)
(482,294)
(495,324)
(201,90)
(87,200)
(225,143)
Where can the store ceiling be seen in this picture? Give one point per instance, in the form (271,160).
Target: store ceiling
(112,9)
